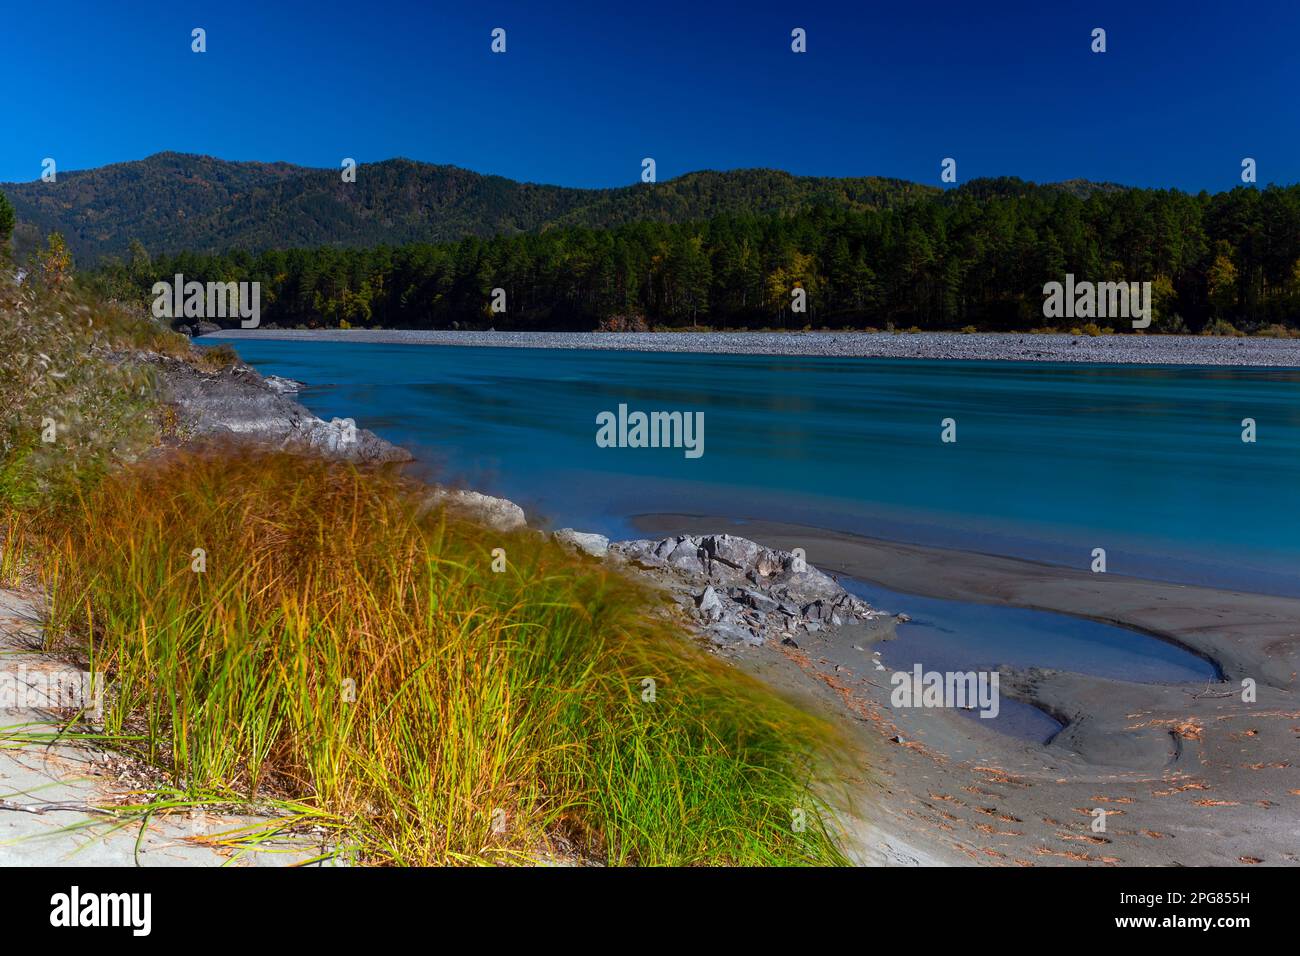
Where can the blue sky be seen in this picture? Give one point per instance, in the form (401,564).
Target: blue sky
(584,91)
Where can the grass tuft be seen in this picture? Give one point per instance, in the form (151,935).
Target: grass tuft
(350,651)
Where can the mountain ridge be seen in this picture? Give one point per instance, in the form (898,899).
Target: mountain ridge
(172,202)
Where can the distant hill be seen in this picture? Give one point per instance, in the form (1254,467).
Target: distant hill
(175,201)
(1009,187)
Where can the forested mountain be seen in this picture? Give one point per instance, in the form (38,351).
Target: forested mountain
(413,245)
(977,255)
(171,202)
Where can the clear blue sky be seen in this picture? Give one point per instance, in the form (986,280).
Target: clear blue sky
(585,91)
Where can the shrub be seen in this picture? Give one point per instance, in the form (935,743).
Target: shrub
(629,322)
(1221,327)
(1172,323)
(216,358)
(55,262)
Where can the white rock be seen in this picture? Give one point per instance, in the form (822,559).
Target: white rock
(596,545)
(499,514)
(709,604)
(278,383)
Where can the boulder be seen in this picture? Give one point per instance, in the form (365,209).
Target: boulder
(687,558)
(282,385)
(739,553)
(709,604)
(739,591)
(499,514)
(755,599)
(640,552)
(596,545)
(726,633)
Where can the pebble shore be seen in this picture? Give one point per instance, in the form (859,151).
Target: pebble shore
(979,346)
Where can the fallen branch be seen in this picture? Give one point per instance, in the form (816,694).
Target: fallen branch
(54,807)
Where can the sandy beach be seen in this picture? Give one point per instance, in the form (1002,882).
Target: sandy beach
(1187,774)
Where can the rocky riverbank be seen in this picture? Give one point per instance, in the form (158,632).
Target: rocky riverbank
(740,593)
(238,402)
(733,590)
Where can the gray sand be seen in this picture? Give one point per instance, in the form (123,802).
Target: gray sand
(52,782)
(1189,774)
(984,346)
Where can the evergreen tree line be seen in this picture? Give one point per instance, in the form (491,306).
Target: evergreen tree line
(978,256)
(6,221)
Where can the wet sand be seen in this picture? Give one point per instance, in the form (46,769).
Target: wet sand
(1187,774)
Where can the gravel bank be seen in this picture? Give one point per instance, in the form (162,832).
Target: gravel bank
(983,346)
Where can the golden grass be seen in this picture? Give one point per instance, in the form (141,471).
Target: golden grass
(351,653)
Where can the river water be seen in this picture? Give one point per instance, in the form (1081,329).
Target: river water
(1050,462)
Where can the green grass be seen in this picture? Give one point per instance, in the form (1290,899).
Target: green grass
(481,697)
